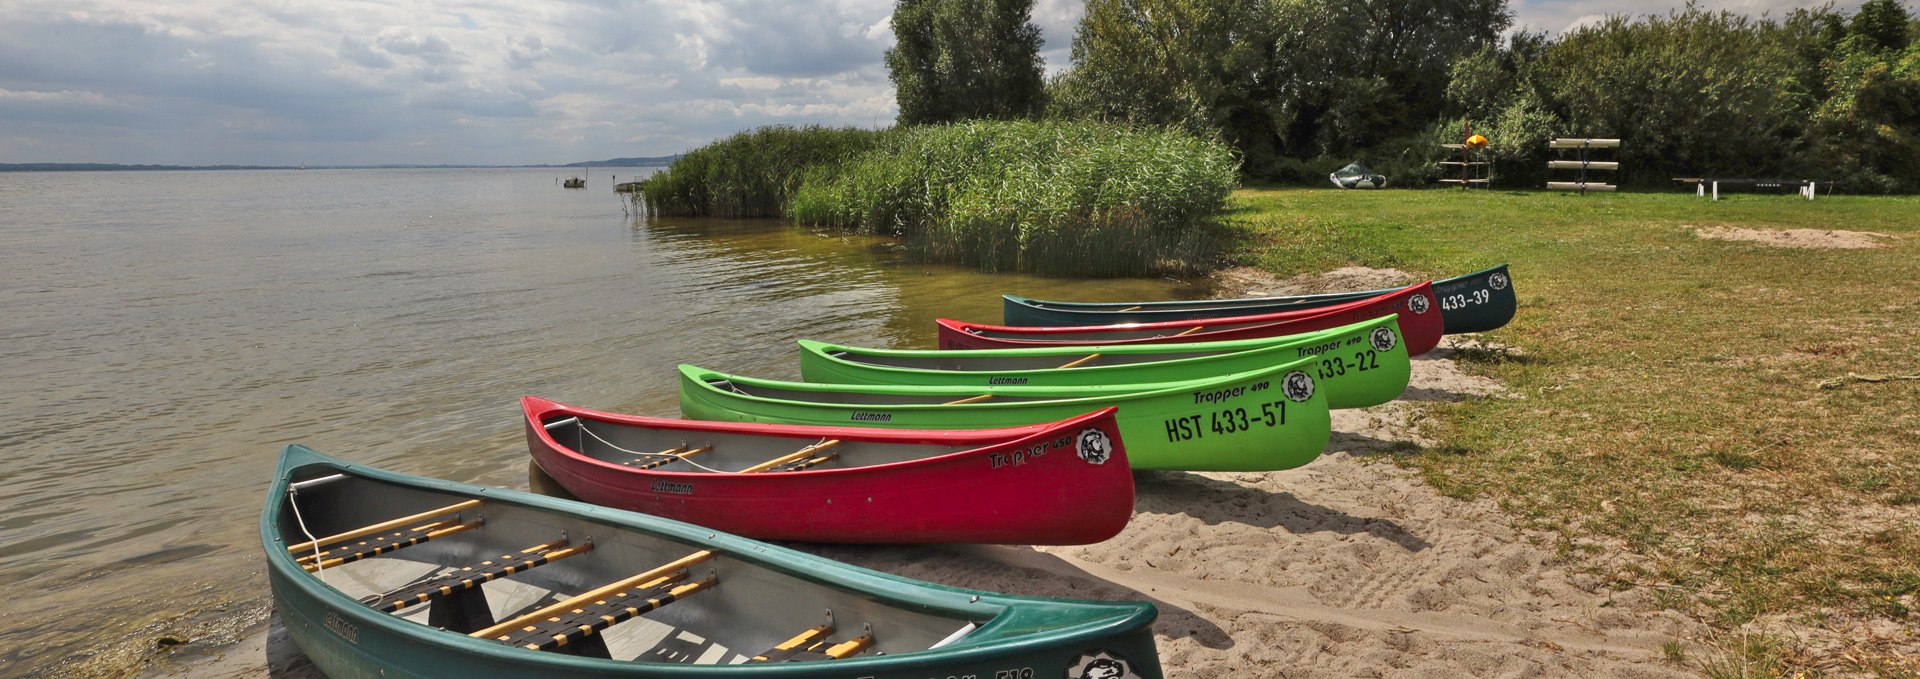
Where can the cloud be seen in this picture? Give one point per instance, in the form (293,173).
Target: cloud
(362,53)
(471,81)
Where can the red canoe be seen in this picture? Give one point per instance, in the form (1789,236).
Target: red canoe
(1063,483)
(1420,324)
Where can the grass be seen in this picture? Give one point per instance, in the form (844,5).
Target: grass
(1668,419)
(1068,198)
(750,174)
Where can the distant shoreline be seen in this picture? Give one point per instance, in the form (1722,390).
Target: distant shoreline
(116,167)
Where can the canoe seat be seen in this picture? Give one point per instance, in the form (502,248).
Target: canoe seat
(666,457)
(375,545)
(803,463)
(803,458)
(813,644)
(395,532)
(471,577)
(572,626)
(585,620)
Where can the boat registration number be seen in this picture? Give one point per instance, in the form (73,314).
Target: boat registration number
(1464,300)
(1227,421)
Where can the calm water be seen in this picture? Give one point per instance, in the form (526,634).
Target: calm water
(164,334)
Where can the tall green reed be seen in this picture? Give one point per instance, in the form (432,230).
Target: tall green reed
(750,174)
(1057,197)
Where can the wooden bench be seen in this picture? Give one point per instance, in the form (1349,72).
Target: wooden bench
(383,537)
(457,602)
(573,625)
(1807,188)
(814,645)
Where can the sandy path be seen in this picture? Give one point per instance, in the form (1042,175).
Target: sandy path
(1348,567)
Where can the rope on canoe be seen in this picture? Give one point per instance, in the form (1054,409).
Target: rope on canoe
(1839,382)
(610,444)
(293,499)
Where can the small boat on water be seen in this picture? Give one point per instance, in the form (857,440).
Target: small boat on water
(1476,302)
(1261,420)
(380,574)
(1420,326)
(1359,365)
(574,183)
(1060,483)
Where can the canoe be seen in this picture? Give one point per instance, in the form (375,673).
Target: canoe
(1420,326)
(1476,302)
(845,484)
(433,579)
(1269,419)
(1359,365)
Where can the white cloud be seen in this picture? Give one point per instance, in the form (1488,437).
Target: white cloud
(471,81)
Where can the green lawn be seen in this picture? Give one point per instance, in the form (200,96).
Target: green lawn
(1667,416)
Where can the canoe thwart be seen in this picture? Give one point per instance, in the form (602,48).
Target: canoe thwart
(384,526)
(471,577)
(970,399)
(383,544)
(661,572)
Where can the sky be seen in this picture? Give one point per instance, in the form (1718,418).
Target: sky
(492,82)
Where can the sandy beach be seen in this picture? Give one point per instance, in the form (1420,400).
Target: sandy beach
(1348,567)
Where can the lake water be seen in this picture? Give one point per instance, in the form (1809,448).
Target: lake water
(164,334)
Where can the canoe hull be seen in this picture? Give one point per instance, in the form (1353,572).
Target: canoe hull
(1421,326)
(350,640)
(1361,365)
(1258,421)
(1475,302)
(1039,491)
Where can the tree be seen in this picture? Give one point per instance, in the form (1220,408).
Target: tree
(1275,78)
(965,59)
(1883,23)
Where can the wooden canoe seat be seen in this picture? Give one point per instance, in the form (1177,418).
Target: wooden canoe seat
(579,619)
(383,537)
(814,645)
(667,457)
(802,455)
(384,526)
(471,577)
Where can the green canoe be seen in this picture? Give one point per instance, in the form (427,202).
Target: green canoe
(1262,420)
(1358,365)
(433,579)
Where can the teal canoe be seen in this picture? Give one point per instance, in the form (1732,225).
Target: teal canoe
(380,575)
(1476,302)
(1262,420)
(1359,365)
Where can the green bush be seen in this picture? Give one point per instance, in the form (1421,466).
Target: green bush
(750,174)
(1058,197)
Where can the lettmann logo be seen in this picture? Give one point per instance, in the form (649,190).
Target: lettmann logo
(873,417)
(1006,380)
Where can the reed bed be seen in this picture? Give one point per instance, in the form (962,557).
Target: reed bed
(1069,198)
(750,174)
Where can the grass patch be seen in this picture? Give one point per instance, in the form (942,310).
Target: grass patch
(1051,197)
(1668,388)
(750,174)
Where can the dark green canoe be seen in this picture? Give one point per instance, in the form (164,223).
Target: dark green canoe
(1476,302)
(1263,420)
(1359,365)
(426,578)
